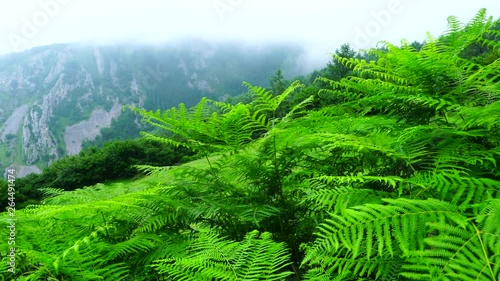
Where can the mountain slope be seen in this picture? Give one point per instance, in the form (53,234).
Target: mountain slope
(54,98)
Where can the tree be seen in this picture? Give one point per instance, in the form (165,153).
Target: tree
(278,83)
(336,70)
(417,45)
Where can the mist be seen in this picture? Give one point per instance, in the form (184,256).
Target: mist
(316,27)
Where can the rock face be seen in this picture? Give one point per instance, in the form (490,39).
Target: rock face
(38,139)
(11,126)
(26,170)
(89,129)
(54,98)
(46,95)
(22,171)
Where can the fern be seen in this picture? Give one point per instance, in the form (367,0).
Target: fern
(444,156)
(463,253)
(368,232)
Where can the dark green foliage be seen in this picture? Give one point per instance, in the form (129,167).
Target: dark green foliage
(4,191)
(278,83)
(335,70)
(242,98)
(115,160)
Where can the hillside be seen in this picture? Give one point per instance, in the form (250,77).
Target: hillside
(53,99)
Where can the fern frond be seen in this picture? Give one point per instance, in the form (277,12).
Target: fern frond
(150,170)
(369,231)
(460,253)
(135,245)
(339,197)
(257,257)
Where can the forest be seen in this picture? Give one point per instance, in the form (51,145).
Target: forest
(381,166)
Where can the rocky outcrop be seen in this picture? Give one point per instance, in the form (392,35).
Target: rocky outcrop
(99,61)
(26,170)
(11,126)
(89,129)
(22,171)
(38,139)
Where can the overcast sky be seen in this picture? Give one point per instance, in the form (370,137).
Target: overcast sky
(321,25)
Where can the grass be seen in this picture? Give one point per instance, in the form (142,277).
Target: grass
(123,190)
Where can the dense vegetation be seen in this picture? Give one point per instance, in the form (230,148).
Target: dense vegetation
(393,177)
(115,160)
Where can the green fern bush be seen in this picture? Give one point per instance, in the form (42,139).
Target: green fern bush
(427,172)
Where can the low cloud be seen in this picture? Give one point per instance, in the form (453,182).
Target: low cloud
(320,26)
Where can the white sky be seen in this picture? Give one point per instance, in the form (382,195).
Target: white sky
(321,25)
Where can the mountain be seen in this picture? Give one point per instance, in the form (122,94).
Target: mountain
(54,99)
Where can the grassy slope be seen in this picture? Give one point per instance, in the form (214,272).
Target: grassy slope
(97,198)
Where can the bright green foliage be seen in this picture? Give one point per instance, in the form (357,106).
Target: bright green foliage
(444,166)
(217,126)
(397,179)
(203,127)
(209,256)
